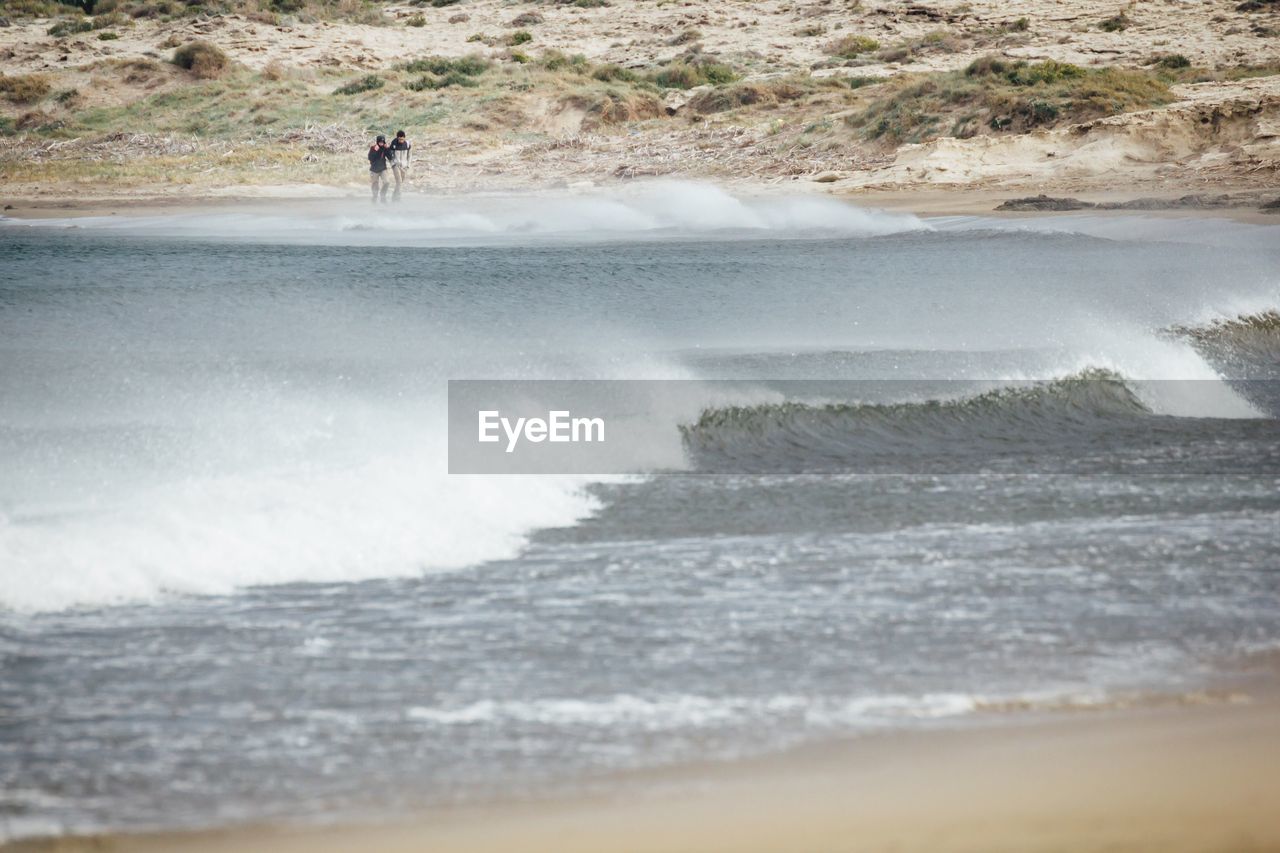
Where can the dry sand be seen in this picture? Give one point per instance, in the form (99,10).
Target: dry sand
(778,34)
(1203,778)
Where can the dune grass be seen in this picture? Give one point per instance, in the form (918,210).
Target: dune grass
(24,88)
(469,92)
(266,11)
(995,95)
(201,58)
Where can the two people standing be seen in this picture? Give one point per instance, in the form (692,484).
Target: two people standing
(383,158)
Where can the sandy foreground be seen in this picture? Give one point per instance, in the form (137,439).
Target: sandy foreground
(1198,777)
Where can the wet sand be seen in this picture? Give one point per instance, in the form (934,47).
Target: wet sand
(1199,778)
(922,202)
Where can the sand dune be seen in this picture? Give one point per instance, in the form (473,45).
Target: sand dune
(508,133)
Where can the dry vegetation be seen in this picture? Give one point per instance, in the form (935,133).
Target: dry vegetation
(264,11)
(993,95)
(236,90)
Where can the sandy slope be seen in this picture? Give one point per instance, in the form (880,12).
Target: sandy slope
(774,34)
(1218,135)
(1175,781)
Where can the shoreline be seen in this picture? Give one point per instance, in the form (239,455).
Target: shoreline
(923,202)
(1177,777)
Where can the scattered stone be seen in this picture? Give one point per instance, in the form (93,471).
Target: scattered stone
(1186,202)
(827,178)
(1044,202)
(527,19)
(1272,206)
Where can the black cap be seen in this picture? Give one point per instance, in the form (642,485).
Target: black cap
(381,138)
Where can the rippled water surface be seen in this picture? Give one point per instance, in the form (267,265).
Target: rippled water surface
(237,584)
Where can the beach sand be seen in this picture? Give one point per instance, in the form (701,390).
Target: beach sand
(924,202)
(1186,778)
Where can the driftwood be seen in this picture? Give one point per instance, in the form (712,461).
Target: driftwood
(333,138)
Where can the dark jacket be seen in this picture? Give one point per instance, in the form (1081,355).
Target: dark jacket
(399,144)
(379,157)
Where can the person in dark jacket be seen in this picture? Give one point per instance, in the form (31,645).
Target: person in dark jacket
(379,160)
(400,147)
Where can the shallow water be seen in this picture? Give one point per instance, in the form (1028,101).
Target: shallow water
(239,585)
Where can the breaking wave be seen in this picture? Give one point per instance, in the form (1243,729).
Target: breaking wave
(675,712)
(1085,410)
(1242,340)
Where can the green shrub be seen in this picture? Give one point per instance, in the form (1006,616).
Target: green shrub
(750,94)
(614,73)
(111,19)
(554,60)
(1049,71)
(1116,23)
(416,21)
(678,75)
(201,58)
(717,74)
(368,83)
(1022,73)
(439,4)
(849,47)
(1005,96)
(519,37)
(686,75)
(1173,61)
(442,81)
(69,28)
(467,66)
(108,35)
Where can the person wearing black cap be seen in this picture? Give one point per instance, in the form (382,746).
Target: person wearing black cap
(380,158)
(400,147)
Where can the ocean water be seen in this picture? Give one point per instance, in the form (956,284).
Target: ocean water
(237,583)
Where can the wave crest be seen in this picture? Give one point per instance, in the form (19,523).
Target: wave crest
(1245,335)
(1031,417)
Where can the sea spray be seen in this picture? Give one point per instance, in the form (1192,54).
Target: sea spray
(648,210)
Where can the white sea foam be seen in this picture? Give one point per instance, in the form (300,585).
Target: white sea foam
(682,711)
(396,515)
